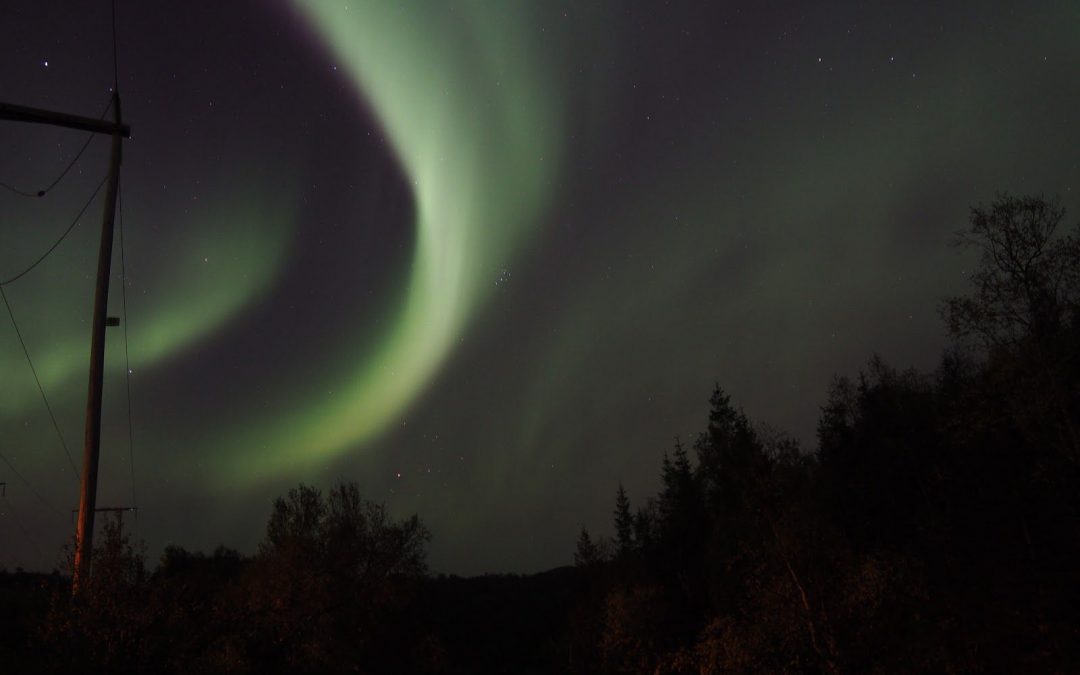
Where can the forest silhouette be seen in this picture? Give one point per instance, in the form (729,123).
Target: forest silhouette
(933,528)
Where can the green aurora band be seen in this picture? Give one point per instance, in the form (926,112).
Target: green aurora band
(249,235)
(464,111)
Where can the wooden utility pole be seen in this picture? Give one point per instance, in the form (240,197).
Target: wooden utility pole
(84,534)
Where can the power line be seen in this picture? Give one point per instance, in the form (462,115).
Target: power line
(127,359)
(44,191)
(63,236)
(115,69)
(73,162)
(22,341)
(22,193)
(41,389)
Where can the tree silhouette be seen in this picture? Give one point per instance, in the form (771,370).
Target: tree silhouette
(1027,283)
(330,572)
(1025,310)
(587,552)
(107,624)
(624,523)
(678,492)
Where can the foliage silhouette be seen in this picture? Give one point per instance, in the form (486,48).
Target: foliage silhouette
(931,529)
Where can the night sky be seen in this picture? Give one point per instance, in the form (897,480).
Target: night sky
(487,259)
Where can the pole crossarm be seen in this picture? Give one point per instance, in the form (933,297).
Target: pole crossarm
(22,113)
(108,509)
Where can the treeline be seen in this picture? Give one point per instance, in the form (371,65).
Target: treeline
(330,588)
(934,528)
(336,586)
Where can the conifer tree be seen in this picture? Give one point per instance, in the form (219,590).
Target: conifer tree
(624,523)
(587,553)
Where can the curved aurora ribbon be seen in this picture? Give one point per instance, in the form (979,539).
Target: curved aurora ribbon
(464,109)
(250,233)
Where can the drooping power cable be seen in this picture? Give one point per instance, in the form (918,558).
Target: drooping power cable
(127,358)
(63,236)
(41,389)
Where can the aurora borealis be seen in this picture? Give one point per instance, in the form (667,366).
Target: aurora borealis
(487,259)
(452,137)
